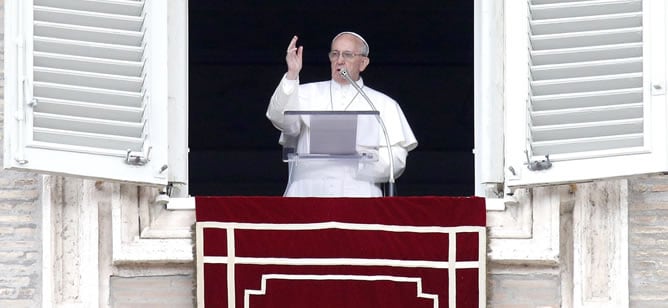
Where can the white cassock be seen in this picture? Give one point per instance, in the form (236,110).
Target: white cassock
(339,178)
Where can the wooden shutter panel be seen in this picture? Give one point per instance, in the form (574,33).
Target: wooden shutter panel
(591,95)
(93,98)
(586,76)
(96,91)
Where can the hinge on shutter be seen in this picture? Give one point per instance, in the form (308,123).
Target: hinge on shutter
(137,158)
(538,165)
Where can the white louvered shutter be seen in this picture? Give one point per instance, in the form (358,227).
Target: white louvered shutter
(594,102)
(88,88)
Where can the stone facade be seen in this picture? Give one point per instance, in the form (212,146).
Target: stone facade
(648,239)
(157,291)
(20,240)
(73,242)
(530,284)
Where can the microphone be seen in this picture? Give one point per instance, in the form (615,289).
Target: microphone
(391,191)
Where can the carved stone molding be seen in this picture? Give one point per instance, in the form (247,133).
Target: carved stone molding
(90,226)
(70,252)
(144,232)
(513,219)
(600,241)
(528,233)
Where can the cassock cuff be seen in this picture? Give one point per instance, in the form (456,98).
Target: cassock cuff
(287,85)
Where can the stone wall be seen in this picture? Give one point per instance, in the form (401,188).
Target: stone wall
(648,242)
(20,240)
(156,291)
(531,285)
(521,286)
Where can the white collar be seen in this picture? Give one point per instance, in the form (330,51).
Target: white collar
(346,87)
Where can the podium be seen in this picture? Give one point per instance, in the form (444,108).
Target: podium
(333,135)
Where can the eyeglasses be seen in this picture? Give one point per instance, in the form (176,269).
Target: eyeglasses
(347,55)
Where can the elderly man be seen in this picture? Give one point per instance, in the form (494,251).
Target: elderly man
(338,178)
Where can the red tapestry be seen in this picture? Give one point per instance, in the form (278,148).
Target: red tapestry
(260,252)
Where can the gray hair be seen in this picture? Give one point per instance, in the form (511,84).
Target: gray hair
(365,46)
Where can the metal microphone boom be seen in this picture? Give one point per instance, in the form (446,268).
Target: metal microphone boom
(391,190)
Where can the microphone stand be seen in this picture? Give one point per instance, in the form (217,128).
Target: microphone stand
(391,189)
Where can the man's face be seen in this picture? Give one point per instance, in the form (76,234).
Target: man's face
(347,44)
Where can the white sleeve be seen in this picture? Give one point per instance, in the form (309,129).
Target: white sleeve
(285,97)
(379,171)
(400,137)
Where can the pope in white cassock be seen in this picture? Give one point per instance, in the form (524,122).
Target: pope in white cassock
(338,178)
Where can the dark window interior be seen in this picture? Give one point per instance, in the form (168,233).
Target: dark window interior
(421,55)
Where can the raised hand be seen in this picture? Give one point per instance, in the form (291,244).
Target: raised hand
(293,59)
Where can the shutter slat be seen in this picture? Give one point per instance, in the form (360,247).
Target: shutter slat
(586,84)
(569,146)
(586,69)
(88,49)
(584,54)
(586,130)
(86,18)
(123,7)
(551,1)
(88,34)
(87,94)
(586,38)
(583,8)
(57,138)
(87,125)
(87,64)
(87,79)
(587,114)
(587,23)
(587,99)
(83,109)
